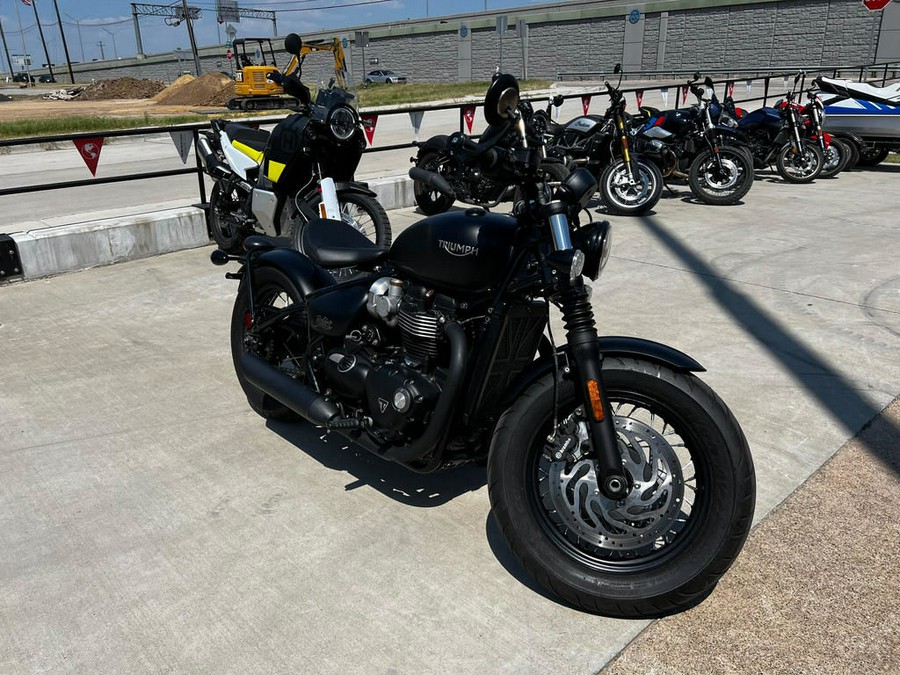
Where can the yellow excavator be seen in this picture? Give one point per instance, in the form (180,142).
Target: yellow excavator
(254,88)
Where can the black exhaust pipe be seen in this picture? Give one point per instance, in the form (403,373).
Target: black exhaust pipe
(285,389)
(432,179)
(214,167)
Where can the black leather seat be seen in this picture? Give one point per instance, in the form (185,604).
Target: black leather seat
(334,243)
(252,138)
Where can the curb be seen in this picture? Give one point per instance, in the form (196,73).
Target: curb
(48,251)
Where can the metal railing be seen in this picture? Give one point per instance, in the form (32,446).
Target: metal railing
(196,127)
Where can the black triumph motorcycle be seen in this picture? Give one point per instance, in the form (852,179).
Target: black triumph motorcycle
(274,183)
(476,170)
(629,184)
(619,479)
(689,143)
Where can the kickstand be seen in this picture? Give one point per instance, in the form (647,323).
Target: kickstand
(669,187)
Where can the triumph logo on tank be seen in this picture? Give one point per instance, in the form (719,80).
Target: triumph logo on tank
(457,249)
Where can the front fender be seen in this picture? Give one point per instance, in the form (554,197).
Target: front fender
(302,271)
(355,187)
(613,345)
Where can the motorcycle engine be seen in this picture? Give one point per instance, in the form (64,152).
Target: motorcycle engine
(396,387)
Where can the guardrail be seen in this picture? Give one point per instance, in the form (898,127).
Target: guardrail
(869,72)
(195,128)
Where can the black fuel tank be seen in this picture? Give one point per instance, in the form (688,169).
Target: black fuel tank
(462,250)
(677,121)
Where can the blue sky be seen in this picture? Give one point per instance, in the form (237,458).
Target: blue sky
(87,24)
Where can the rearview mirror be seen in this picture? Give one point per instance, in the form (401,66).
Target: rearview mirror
(293,44)
(618,68)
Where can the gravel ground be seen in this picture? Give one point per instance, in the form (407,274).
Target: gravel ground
(810,593)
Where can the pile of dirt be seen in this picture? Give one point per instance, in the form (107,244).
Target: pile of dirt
(122,87)
(210,89)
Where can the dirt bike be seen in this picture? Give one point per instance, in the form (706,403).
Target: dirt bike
(619,479)
(477,171)
(274,183)
(629,184)
(690,143)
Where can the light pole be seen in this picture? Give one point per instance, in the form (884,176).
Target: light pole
(112,35)
(78,26)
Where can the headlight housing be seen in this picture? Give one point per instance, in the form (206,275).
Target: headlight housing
(595,241)
(342,122)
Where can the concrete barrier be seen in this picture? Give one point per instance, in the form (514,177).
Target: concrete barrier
(48,251)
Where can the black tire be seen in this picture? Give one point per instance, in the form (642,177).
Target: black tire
(624,198)
(429,200)
(282,344)
(359,210)
(871,155)
(726,187)
(853,159)
(799,167)
(692,496)
(226,232)
(837,154)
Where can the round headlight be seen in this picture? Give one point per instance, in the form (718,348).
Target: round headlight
(342,123)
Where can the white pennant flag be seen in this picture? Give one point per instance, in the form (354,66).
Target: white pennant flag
(183,141)
(415,118)
(665,95)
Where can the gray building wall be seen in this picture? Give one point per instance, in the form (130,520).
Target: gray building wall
(565,39)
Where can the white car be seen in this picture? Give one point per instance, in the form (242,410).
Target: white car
(385,76)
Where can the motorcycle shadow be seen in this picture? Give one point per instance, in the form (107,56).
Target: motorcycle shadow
(508,561)
(392,480)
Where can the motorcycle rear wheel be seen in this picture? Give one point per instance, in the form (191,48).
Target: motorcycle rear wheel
(727,186)
(429,200)
(799,167)
(664,547)
(225,230)
(624,198)
(283,343)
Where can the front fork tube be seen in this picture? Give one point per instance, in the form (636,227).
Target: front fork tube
(630,165)
(584,350)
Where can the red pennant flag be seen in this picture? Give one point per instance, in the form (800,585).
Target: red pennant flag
(875,5)
(469,116)
(684,91)
(729,87)
(639,95)
(586,103)
(368,125)
(89,149)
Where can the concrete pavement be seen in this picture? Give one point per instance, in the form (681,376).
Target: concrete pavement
(150,522)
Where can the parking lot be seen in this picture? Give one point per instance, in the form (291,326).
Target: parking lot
(150,522)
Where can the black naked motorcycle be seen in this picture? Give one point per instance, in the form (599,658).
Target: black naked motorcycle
(477,171)
(274,183)
(620,480)
(629,184)
(689,143)
(781,135)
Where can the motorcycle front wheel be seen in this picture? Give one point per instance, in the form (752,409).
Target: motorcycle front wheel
(799,167)
(725,184)
(362,212)
(225,229)
(429,200)
(626,197)
(271,331)
(686,516)
(837,154)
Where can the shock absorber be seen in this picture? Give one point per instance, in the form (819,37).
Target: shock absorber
(581,335)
